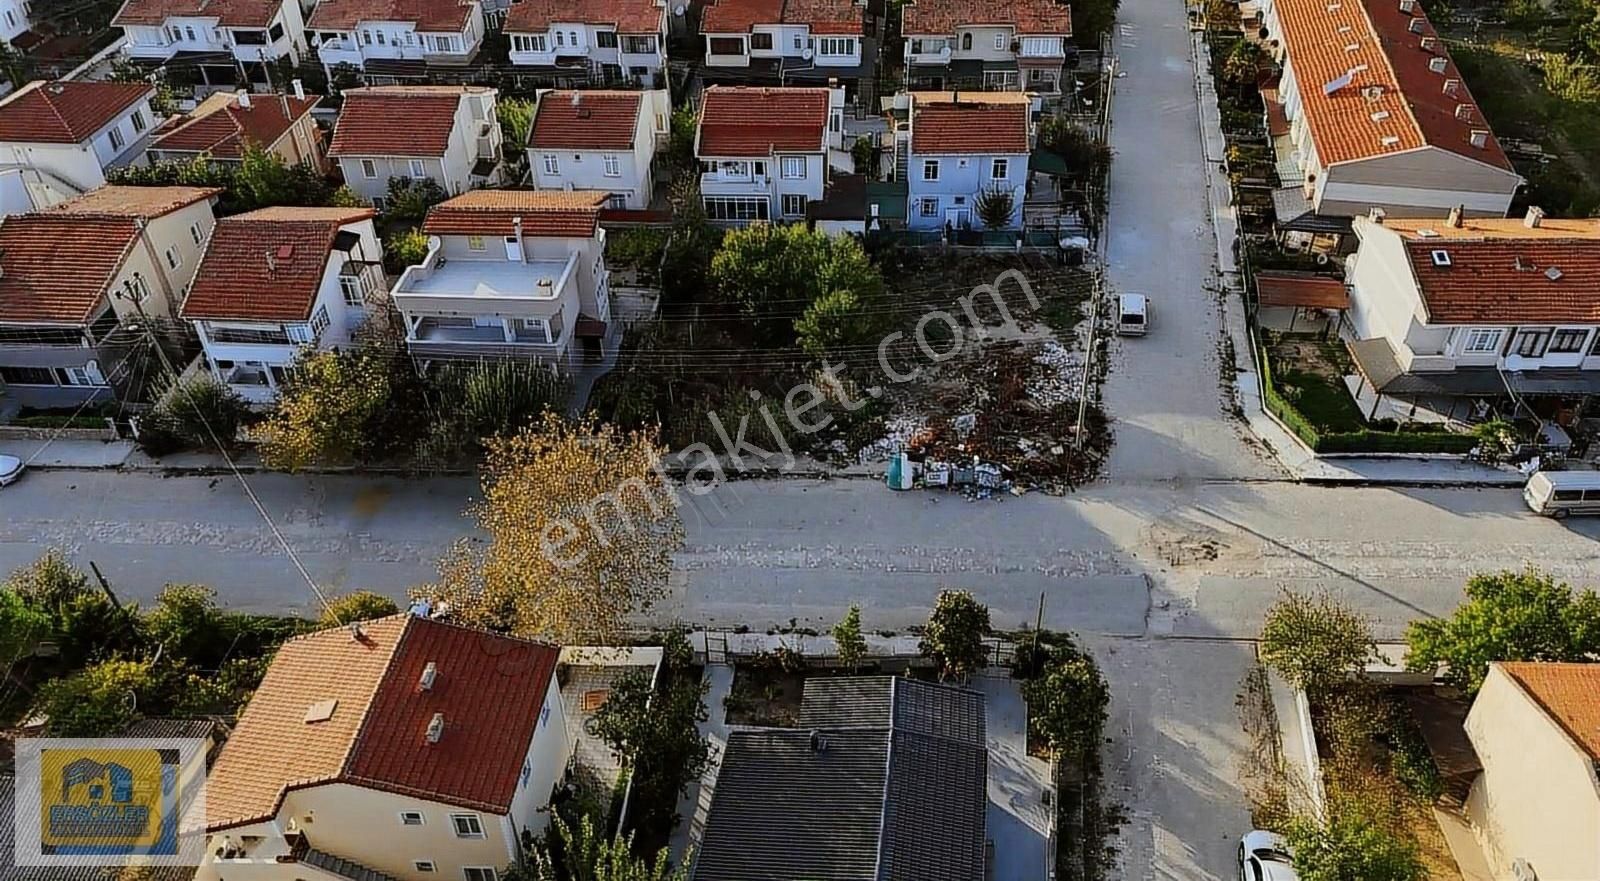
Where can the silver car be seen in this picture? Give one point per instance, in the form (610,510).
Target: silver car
(1264,856)
(10,469)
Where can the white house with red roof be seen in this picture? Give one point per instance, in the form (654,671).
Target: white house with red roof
(449,134)
(514,274)
(959,44)
(400,749)
(788,41)
(64,135)
(601,140)
(276,281)
(72,276)
(393,40)
(1378,117)
(1455,309)
(764,151)
(608,42)
(225,124)
(959,148)
(216,37)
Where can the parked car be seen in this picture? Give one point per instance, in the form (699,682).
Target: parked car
(1559,493)
(10,469)
(1264,856)
(1133,315)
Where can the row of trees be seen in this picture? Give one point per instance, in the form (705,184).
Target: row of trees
(259,180)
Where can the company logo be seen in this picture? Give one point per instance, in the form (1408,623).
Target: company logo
(108,801)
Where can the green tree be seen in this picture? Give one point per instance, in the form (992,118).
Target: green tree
(1067,702)
(864,156)
(516,122)
(680,139)
(584,853)
(197,412)
(1314,641)
(327,409)
(89,628)
(406,248)
(263,180)
(410,198)
(360,605)
(220,693)
(833,323)
(1092,19)
(14,66)
(851,645)
(995,207)
(1349,847)
(21,627)
(655,737)
(1508,616)
(97,701)
(344,197)
(954,635)
(187,624)
(766,269)
(49,583)
(691,246)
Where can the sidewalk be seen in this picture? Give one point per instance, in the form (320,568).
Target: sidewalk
(74,454)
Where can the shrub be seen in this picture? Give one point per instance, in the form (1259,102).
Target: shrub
(995,207)
(409,199)
(1314,641)
(403,249)
(1351,848)
(1067,703)
(496,398)
(49,583)
(852,646)
(196,412)
(187,623)
(360,605)
(97,701)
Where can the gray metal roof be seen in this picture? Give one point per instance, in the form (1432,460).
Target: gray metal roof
(885,780)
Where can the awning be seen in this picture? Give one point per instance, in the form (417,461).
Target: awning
(1277,117)
(1294,213)
(1301,290)
(1047,162)
(395,67)
(589,328)
(1376,360)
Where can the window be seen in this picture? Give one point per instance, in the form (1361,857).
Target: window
(759,168)
(928,207)
(275,32)
(561,39)
(138,120)
(189,32)
(419,169)
(422,865)
(1568,339)
(530,43)
(475,243)
(354,296)
(930,169)
(195,233)
(117,141)
(613,165)
(836,46)
(366,37)
(617,201)
(174,259)
(639,45)
(1595,349)
(294,333)
(798,44)
(411,818)
(27,375)
(761,41)
(319,321)
(468,826)
(725,45)
(552,165)
(966,41)
(794,205)
(999,168)
(539,328)
(605,39)
(1531,343)
(76,376)
(381,39)
(999,42)
(1482,341)
(794,167)
(477,873)
(736,208)
(369,169)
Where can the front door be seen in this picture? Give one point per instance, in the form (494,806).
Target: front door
(957,218)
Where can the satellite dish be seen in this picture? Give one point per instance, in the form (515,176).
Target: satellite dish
(806,54)
(679,10)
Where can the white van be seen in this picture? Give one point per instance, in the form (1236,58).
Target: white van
(1133,315)
(1559,493)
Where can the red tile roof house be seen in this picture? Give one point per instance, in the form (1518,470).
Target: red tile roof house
(225,124)
(959,44)
(764,152)
(1379,116)
(958,147)
(276,281)
(450,134)
(393,40)
(403,748)
(67,134)
(514,274)
(575,42)
(214,37)
(783,42)
(1448,312)
(69,277)
(599,140)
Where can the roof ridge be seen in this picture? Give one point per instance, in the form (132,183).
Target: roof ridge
(1394,75)
(888,766)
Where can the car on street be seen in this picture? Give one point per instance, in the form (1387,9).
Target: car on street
(1560,493)
(1264,856)
(10,469)
(1133,315)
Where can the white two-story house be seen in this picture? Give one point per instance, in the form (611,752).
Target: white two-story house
(599,140)
(516,274)
(958,148)
(75,277)
(780,42)
(279,280)
(403,748)
(1448,312)
(391,40)
(64,135)
(958,44)
(764,151)
(216,38)
(573,42)
(449,134)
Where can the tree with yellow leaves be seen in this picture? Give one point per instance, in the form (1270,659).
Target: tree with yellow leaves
(582,524)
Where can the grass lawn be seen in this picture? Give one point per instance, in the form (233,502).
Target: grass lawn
(1308,374)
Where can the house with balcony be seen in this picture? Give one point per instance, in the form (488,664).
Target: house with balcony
(764,152)
(222,126)
(951,44)
(392,40)
(1373,113)
(599,140)
(785,42)
(449,134)
(276,281)
(74,277)
(509,274)
(1458,318)
(573,43)
(402,748)
(218,39)
(64,135)
(957,149)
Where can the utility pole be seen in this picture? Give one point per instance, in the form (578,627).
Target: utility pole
(105,586)
(1088,359)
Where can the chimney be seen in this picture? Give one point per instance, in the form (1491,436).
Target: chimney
(299,90)
(1376,215)
(430,672)
(1454,220)
(435,728)
(272,267)
(516,233)
(577,97)
(1479,138)
(1534,217)
(244,98)
(1451,87)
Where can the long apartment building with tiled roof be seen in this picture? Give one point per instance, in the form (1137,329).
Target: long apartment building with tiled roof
(226,124)
(1378,116)
(959,148)
(448,134)
(397,40)
(594,42)
(1457,308)
(277,280)
(596,139)
(765,152)
(215,38)
(64,135)
(791,42)
(73,277)
(960,44)
(403,748)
